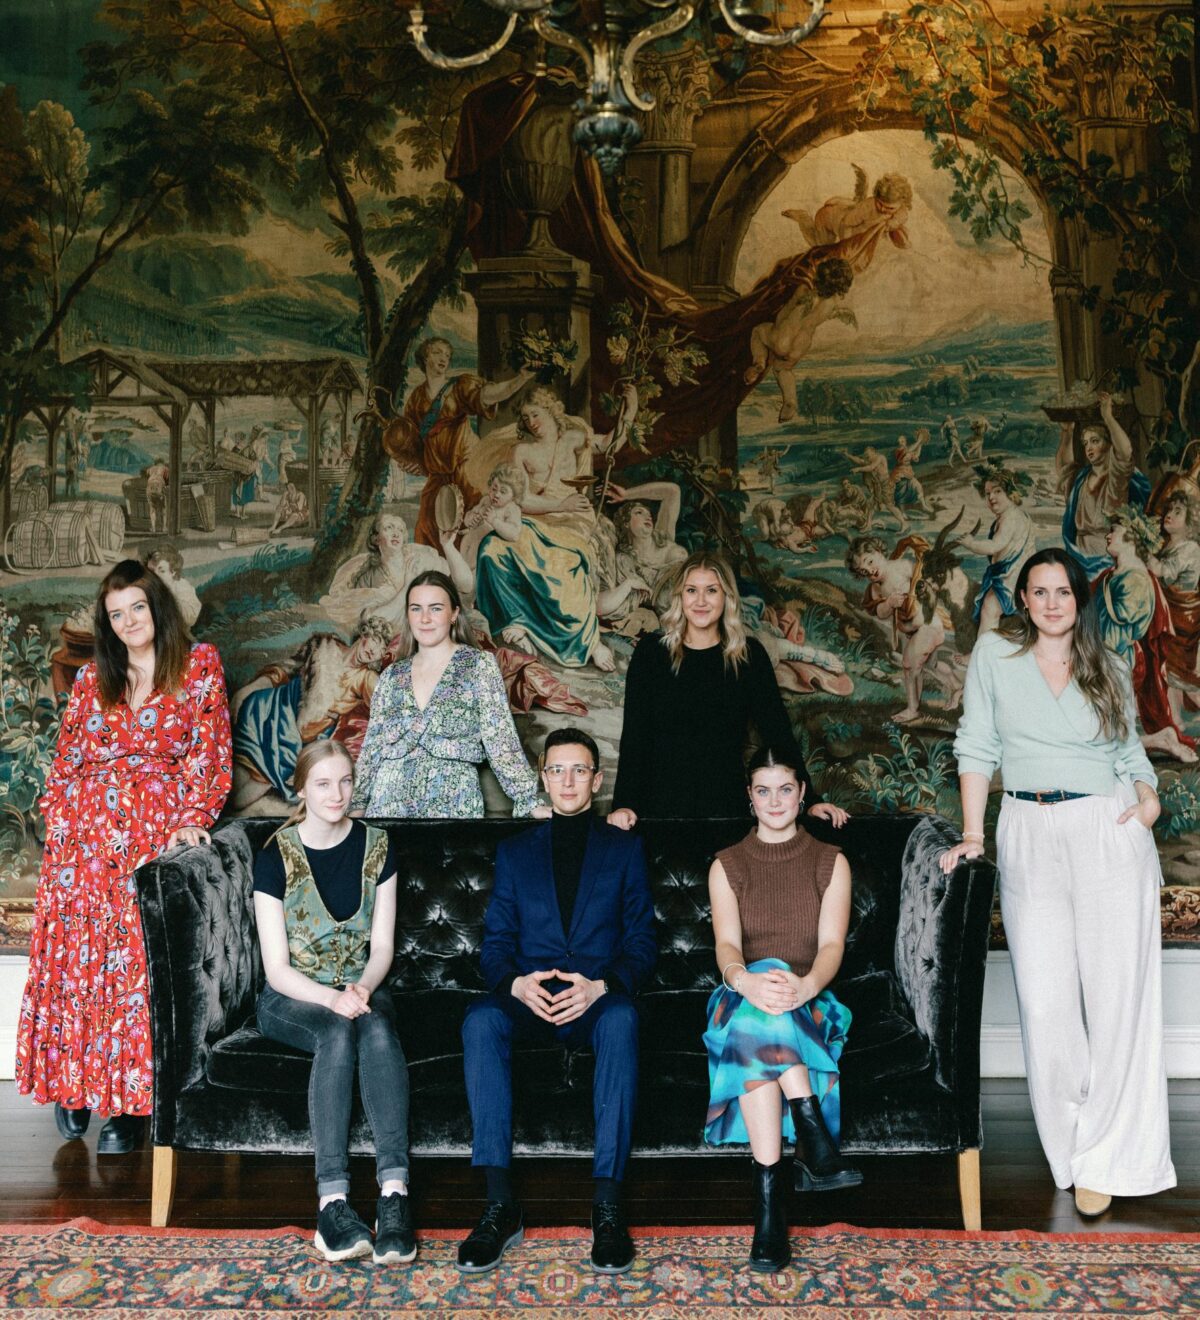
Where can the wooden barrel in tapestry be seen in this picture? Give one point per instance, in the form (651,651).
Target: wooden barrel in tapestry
(107,521)
(74,542)
(29,545)
(28,499)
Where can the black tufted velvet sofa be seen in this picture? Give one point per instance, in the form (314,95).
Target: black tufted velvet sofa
(912,977)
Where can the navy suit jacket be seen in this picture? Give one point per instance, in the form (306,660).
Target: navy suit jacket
(612,927)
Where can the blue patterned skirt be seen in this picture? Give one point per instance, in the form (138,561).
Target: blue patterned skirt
(747,1048)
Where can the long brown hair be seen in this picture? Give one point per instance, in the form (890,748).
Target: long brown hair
(460,630)
(172,640)
(309,758)
(1094,667)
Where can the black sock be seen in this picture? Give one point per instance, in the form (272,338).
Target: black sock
(499,1184)
(607,1189)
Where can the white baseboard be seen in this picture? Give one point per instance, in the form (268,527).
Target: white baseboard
(1000,1037)
(1000,1051)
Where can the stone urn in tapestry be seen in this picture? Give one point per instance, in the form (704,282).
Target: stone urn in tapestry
(537,168)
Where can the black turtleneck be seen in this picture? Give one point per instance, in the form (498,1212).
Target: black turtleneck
(568,843)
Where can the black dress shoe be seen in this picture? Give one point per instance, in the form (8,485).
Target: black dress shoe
(770,1250)
(121,1134)
(500,1227)
(71,1123)
(612,1247)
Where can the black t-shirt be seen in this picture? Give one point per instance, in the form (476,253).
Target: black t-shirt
(337,871)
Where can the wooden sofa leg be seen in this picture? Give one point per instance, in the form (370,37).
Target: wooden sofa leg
(968,1188)
(162,1185)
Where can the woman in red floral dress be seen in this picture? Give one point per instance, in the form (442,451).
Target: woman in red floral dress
(144,762)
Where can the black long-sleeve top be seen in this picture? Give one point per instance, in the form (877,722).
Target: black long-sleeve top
(685,735)
(568,844)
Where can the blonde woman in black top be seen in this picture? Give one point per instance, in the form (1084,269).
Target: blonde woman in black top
(692,693)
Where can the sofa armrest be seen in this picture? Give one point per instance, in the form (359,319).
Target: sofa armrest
(203,959)
(941,952)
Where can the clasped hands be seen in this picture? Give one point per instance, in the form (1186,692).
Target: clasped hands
(569,1003)
(775,991)
(351,1001)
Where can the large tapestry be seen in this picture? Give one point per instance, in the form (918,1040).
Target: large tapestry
(293,317)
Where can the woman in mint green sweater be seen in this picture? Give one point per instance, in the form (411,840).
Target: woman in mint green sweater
(1050,707)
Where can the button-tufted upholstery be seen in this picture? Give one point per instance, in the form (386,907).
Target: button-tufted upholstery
(912,977)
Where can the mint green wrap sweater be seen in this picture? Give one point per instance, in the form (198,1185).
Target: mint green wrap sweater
(1011,719)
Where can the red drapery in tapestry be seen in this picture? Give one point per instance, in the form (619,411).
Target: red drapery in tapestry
(585,227)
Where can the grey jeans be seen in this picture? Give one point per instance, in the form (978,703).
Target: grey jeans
(339,1047)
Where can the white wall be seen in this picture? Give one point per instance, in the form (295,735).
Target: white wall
(12,982)
(1000,1046)
(1001,1042)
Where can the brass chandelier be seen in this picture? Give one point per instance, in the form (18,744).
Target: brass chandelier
(607,36)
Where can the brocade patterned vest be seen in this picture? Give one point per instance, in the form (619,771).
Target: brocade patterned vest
(329,952)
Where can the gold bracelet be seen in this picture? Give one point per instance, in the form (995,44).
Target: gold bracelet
(978,838)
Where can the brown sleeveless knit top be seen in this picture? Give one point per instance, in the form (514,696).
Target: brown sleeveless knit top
(779,887)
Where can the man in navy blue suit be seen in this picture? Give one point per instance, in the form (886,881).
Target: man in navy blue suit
(568,942)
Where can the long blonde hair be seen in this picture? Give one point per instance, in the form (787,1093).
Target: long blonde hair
(310,757)
(732,629)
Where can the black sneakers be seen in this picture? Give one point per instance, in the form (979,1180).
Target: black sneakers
(394,1240)
(499,1228)
(612,1247)
(340,1234)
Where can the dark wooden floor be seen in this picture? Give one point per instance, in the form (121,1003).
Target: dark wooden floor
(43,1180)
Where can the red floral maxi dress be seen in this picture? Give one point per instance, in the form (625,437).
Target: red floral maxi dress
(122,781)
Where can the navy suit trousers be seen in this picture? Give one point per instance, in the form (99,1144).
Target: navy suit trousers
(610,1027)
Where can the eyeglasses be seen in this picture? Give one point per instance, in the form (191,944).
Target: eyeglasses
(576,771)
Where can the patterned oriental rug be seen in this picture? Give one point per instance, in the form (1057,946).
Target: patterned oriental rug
(83,1267)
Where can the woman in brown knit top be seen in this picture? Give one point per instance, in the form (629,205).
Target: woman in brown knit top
(780,908)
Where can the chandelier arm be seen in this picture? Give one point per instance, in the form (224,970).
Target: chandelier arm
(556,36)
(417,30)
(663,28)
(792,37)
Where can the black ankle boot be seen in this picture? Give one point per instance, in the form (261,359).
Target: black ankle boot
(71,1123)
(817,1166)
(770,1251)
(121,1134)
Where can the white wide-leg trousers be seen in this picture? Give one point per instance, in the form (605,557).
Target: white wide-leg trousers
(1080,897)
